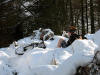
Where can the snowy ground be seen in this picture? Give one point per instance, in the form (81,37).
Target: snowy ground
(51,60)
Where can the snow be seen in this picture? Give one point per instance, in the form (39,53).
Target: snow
(68,66)
(6,1)
(51,60)
(27,13)
(95,38)
(4,60)
(26,3)
(89,36)
(4,69)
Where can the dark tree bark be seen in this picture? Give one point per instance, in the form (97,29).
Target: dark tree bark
(92,16)
(82,18)
(98,21)
(86,16)
(71,12)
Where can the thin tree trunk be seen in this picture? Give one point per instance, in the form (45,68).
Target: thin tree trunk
(98,21)
(92,17)
(82,19)
(71,12)
(86,16)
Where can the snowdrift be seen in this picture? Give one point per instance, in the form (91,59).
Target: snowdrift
(50,60)
(95,38)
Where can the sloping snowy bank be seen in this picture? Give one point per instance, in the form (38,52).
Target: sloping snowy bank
(82,56)
(95,38)
(48,61)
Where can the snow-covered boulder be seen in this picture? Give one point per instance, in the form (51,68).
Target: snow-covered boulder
(43,34)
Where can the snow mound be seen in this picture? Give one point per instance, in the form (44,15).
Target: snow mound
(4,57)
(4,66)
(83,46)
(89,36)
(81,57)
(48,61)
(96,38)
(4,69)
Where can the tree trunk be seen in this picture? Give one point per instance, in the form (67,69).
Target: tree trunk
(82,19)
(92,16)
(86,16)
(71,12)
(98,21)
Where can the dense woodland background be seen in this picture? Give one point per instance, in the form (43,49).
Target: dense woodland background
(18,18)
